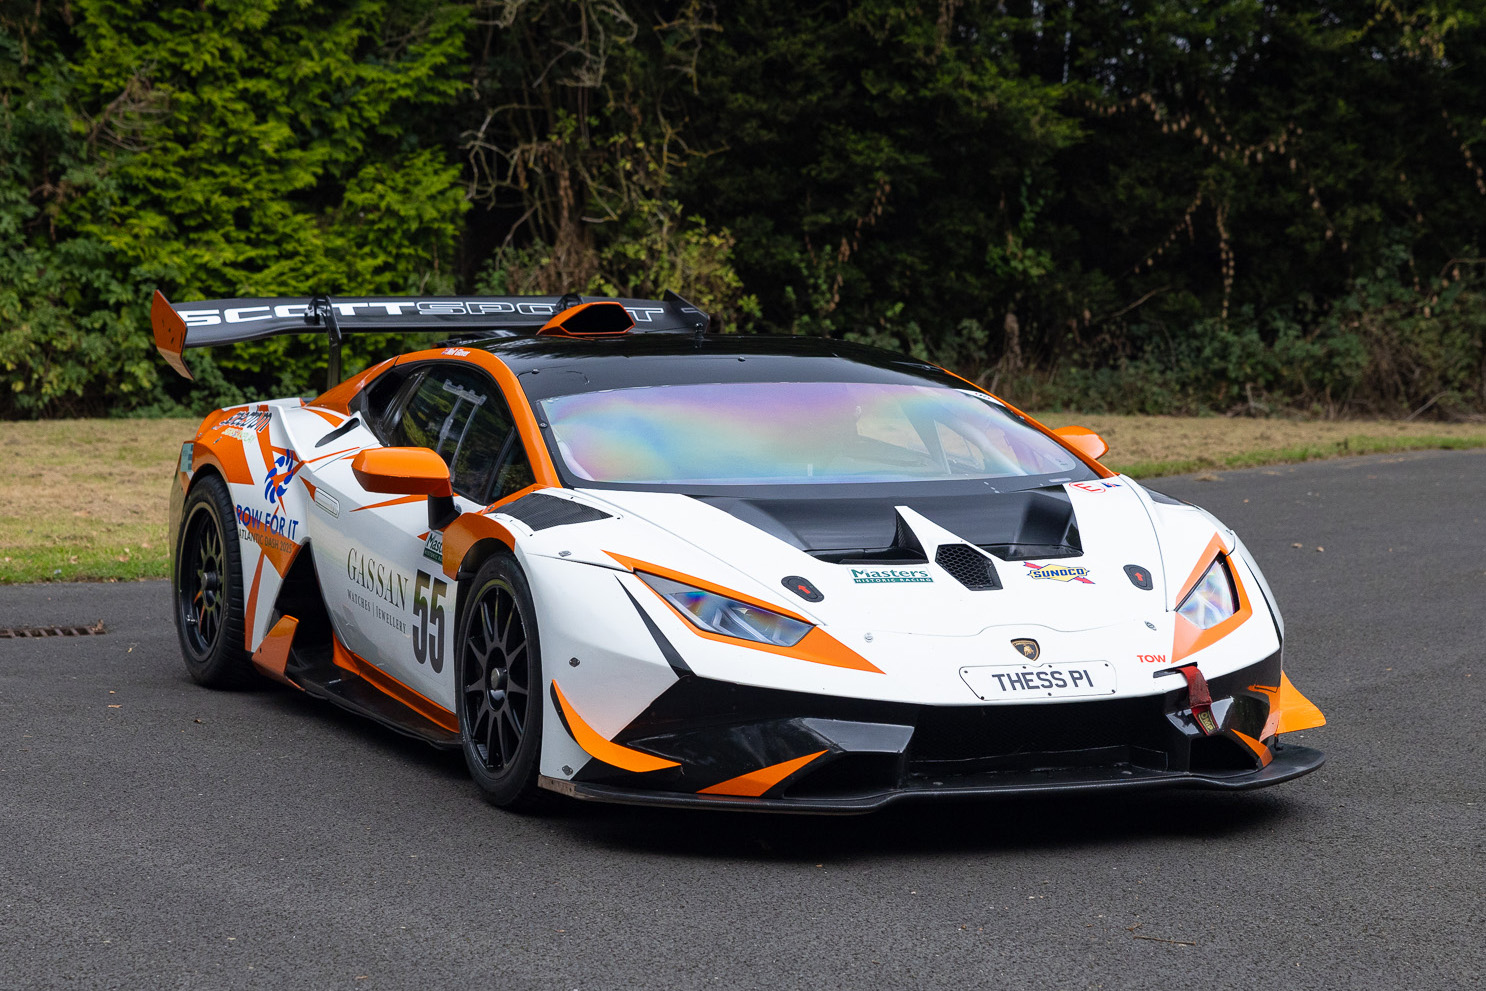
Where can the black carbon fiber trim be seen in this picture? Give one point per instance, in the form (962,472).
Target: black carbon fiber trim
(1289,762)
(968,566)
(670,653)
(1165,499)
(540,511)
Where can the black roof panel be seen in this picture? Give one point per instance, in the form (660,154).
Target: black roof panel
(558,366)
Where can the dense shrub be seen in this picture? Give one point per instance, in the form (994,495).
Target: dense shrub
(1237,206)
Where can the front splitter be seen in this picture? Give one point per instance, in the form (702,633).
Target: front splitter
(1289,762)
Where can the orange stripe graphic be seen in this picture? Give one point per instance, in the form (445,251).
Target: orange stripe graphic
(392,502)
(607,751)
(253,603)
(1260,750)
(388,685)
(755,783)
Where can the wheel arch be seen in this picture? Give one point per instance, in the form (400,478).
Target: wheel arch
(469,542)
(178,496)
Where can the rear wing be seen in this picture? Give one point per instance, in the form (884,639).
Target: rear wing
(211,322)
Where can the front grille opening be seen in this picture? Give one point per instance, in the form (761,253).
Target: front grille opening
(1118,757)
(24,632)
(848,775)
(974,732)
(968,566)
(1221,753)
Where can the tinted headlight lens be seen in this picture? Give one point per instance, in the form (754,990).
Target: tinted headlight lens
(1212,600)
(728,617)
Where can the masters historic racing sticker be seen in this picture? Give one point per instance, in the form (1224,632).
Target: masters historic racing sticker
(878,576)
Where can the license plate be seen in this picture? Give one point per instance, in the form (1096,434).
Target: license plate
(1084,679)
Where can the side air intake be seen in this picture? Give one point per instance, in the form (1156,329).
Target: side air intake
(968,566)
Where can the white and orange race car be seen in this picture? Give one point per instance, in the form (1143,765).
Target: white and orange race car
(612,556)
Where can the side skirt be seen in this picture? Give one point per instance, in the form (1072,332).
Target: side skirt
(316,672)
(311,664)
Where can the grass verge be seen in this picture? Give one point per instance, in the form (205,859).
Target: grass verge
(85,500)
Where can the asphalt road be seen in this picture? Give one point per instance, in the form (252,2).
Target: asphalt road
(158,835)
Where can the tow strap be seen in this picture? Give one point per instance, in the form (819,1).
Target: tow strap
(1199,699)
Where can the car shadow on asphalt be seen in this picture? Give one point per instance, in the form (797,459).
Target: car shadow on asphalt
(980,825)
(382,740)
(970,825)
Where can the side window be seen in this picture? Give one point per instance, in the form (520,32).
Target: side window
(460,414)
(380,401)
(515,470)
(457,413)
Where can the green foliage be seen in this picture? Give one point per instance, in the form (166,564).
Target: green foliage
(1234,206)
(234,147)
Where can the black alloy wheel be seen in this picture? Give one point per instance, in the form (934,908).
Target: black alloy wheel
(208,589)
(201,586)
(500,679)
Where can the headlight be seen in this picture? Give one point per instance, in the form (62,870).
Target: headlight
(1211,600)
(728,617)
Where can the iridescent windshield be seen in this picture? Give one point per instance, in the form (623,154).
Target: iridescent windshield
(773,433)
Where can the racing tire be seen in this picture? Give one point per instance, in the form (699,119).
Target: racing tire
(498,677)
(208,589)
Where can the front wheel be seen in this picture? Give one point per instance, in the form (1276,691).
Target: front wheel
(499,677)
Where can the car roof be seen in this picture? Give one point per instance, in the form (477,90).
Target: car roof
(560,366)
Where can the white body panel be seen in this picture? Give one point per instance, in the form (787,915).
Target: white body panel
(934,641)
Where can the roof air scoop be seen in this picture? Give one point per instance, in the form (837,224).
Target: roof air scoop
(598,319)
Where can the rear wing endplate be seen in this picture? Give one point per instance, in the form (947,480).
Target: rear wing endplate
(212,322)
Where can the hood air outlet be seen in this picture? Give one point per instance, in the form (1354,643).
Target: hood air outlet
(968,566)
(540,512)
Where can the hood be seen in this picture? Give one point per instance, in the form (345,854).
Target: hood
(1071,557)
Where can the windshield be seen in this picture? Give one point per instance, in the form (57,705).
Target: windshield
(781,433)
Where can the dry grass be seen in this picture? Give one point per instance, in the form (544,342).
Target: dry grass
(1145,446)
(86,499)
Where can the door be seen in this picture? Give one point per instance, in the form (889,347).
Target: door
(398,605)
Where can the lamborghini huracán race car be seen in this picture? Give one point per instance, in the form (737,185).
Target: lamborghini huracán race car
(612,556)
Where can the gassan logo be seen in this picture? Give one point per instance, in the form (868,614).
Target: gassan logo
(378,578)
(280,474)
(1060,572)
(878,576)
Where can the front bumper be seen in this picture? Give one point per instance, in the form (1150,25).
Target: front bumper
(1288,762)
(730,746)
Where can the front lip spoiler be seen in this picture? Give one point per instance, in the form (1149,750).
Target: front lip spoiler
(1290,761)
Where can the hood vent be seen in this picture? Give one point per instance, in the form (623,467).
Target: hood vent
(1026,524)
(540,511)
(1070,546)
(906,548)
(968,566)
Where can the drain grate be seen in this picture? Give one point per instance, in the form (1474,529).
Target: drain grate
(16,632)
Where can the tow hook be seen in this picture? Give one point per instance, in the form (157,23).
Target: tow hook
(1199,699)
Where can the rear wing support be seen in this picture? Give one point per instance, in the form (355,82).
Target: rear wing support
(322,314)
